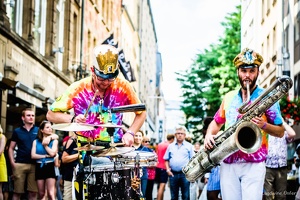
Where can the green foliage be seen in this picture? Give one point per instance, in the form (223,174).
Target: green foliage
(211,76)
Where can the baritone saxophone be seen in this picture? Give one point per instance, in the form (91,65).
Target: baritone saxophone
(243,135)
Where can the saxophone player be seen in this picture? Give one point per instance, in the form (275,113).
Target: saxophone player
(241,174)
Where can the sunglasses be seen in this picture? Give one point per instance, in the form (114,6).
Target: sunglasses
(146,141)
(102,79)
(97,72)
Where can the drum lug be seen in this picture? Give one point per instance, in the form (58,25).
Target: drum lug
(105,178)
(115,177)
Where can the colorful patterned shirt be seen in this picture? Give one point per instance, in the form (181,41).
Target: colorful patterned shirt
(80,93)
(277,152)
(228,114)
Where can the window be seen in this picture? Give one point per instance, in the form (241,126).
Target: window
(40,25)
(74,35)
(14,10)
(274,42)
(297,85)
(263,12)
(297,38)
(60,30)
(286,39)
(286,8)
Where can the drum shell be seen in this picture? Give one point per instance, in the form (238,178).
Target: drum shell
(103,187)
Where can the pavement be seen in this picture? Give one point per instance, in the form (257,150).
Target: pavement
(167,193)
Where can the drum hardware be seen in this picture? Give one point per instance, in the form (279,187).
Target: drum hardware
(136,180)
(90,179)
(113,150)
(115,177)
(105,178)
(89,147)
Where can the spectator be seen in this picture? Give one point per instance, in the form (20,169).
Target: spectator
(137,144)
(241,173)
(3,168)
(69,162)
(150,171)
(297,163)
(213,187)
(45,168)
(276,165)
(23,166)
(197,186)
(8,187)
(176,157)
(161,176)
(197,146)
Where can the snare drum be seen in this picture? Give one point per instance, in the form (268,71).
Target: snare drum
(108,182)
(146,159)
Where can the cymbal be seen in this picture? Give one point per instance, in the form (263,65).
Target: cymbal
(72,127)
(113,151)
(89,147)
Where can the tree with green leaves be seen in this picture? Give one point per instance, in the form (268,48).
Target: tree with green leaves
(211,75)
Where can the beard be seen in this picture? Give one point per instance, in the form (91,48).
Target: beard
(101,87)
(251,82)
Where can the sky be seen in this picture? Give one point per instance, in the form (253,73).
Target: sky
(184,28)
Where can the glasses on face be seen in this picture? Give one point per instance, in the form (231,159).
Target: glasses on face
(96,71)
(102,79)
(147,141)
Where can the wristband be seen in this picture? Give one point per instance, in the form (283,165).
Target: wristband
(130,132)
(73,118)
(264,126)
(168,170)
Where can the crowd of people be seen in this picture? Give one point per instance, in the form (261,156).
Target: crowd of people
(31,163)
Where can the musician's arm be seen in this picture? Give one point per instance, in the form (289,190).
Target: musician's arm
(274,130)
(212,130)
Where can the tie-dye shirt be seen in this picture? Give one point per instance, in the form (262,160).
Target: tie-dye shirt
(80,93)
(228,114)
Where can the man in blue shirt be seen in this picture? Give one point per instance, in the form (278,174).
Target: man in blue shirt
(23,167)
(176,157)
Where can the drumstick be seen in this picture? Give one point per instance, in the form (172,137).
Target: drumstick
(87,110)
(129,108)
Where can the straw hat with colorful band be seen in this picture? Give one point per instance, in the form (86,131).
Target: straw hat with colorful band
(106,61)
(248,59)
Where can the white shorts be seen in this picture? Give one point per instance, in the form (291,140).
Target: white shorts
(242,180)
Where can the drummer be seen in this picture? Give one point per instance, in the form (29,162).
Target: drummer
(108,90)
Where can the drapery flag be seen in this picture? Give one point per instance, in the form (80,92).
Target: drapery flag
(125,67)
(130,72)
(110,40)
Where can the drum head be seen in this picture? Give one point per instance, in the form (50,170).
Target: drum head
(143,158)
(143,154)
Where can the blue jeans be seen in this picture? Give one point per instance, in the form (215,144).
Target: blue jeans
(179,181)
